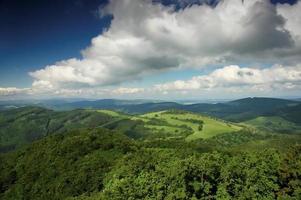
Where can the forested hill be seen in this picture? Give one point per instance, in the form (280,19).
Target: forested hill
(26,124)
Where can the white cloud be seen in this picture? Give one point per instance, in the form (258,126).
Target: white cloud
(12,91)
(121,91)
(147,38)
(275,78)
(43,89)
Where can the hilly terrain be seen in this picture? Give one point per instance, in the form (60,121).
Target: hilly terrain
(247,107)
(237,110)
(26,124)
(97,163)
(234,150)
(241,110)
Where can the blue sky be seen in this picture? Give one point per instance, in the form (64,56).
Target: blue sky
(36,33)
(39,33)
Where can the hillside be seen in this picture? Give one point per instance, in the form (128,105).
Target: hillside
(24,125)
(291,113)
(201,126)
(274,124)
(171,123)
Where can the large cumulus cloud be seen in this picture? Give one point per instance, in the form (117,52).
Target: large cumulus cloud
(146,37)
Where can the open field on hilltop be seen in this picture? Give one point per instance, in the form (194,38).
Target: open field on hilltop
(165,128)
(180,123)
(209,128)
(112,113)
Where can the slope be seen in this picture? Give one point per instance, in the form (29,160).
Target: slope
(24,125)
(274,124)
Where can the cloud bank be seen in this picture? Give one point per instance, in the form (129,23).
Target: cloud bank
(11,91)
(148,38)
(232,76)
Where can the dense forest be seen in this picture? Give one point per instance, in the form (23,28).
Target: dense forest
(174,154)
(100,164)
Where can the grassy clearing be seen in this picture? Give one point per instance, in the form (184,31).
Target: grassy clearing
(211,126)
(165,129)
(140,118)
(112,113)
(180,122)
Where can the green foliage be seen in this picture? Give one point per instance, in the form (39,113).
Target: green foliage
(153,174)
(99,164)
(290,174)
(62,165)
(25,125)
(89,155)
(274,124)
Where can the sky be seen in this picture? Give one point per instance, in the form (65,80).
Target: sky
(152,49)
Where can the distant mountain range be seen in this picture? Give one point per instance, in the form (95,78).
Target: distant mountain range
(236,111)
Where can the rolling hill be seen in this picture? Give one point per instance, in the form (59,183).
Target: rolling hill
(200,126)
(236,111)
(26,124)
(273,124)
(137,119)
(290,113)
(172,123)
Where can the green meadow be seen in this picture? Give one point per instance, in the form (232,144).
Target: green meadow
(176,122)
(210,126)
